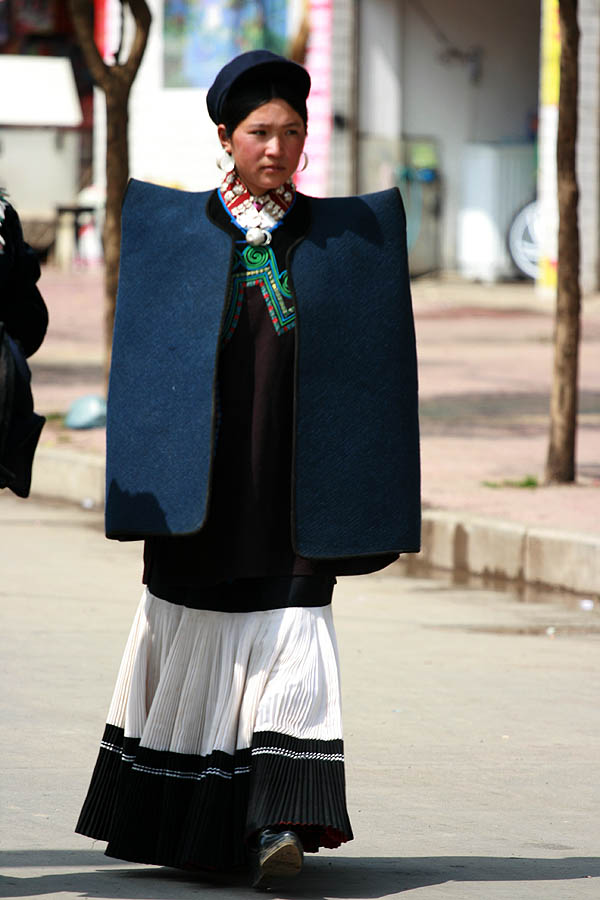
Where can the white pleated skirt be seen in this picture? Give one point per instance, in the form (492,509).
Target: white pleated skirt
(220,724)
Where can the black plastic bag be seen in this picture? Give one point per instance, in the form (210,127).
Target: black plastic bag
(20,426)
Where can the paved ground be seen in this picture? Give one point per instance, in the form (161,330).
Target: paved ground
(471,720)
(485,367)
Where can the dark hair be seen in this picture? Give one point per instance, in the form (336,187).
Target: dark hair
(243,100)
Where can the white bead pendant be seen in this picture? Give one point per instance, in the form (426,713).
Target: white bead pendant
(256,237)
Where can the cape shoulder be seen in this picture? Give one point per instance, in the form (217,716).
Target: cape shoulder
(356,384)
(368,213)
(355,377)
(173,280)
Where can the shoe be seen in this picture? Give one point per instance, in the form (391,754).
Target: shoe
(275,854)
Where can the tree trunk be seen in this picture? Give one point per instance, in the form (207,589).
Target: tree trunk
(560,463)
(115,80)
(117,173)
(299,43)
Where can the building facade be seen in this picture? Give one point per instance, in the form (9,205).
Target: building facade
(442,99)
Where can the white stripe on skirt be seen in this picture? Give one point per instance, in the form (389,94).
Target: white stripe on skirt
(195,681)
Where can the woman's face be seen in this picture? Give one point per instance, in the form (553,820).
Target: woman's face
(266,146)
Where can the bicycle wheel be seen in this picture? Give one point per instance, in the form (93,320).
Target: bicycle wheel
(523,240)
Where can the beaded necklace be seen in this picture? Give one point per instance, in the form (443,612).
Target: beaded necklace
(256,215)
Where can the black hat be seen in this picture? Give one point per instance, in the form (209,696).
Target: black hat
(257,62)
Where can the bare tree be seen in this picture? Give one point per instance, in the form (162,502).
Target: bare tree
(116,81)
(560,463)
(298,45)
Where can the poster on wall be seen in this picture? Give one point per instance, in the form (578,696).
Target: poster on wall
(4,22)
(200,36)
(34,16)
(548,129)
(314,179)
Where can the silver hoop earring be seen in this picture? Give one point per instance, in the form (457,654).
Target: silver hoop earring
(305,155)
(226,162)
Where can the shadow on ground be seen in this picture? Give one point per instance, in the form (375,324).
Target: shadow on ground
(356,877)
(65,373)
(518,413)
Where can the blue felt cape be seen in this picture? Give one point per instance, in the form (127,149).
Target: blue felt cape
(356,447)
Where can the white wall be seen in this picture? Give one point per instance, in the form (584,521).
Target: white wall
(343,79)
(401,55)
(440,99)
(171,137)
(380,92)
(588,144)
(39,169)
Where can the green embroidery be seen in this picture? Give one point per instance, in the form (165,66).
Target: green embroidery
(257,267)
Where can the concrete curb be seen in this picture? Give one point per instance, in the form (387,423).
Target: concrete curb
(501,549)
(454,541)
(68,475)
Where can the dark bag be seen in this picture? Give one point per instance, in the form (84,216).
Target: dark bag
(20,426)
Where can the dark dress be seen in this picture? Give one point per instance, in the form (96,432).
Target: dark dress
(226,717)
(248,532)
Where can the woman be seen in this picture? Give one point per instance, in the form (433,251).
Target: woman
(234,378)
(22,308)
(23,324)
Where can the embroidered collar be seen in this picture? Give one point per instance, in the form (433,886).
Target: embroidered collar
(256,215)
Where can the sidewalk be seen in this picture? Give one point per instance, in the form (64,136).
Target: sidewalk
(470,732)
(485,355)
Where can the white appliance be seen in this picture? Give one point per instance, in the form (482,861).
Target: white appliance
(497,180)
(39,142)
